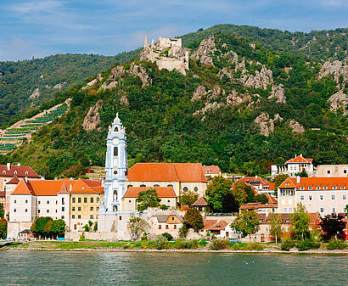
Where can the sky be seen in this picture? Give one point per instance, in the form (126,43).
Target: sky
(38,28)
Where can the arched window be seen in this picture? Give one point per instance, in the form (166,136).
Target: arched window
(115,151)
(142,185)
(170,186)
(185,189)
(115,172)
(116,129)
(195,189)
(157,185)
(115,195)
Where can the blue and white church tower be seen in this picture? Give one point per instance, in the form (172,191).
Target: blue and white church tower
(116,167)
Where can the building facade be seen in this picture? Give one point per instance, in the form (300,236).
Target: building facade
(318,194)
(331,171)
(294,166)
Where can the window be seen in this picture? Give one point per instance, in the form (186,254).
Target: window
(48,202)
(98,200)
(37,202)
(167,226)
(333,197)
(15,201)
(38,211)
(91,217)
(310,198)
(73,209)
(79,216)
(333,210)
(321,210)
(56,202)
(302,198)
(157,185)
(92,200)
(159,227)
(62,217)
(195,189)
(73,216)
(56,211)
(115,172)
(328,171)
(14,210)
(79,209)
(129,201)
(79,200)
(120,218)
(345,171)
(185,189)
(47,211)
(26,201)
(168,201)
(75,226)
(321,197)
(73,200)
(26,210)
(92,208)
(116,129)
(115,151)
(63,209)
(344,197)
(174,226)
(85,200)
(170,186)
(63,202)
(142,185)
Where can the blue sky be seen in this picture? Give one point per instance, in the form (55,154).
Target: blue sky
(43,27)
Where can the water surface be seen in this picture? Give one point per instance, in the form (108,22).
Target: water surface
(82,268)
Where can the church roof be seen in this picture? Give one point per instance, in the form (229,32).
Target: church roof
(17,171)
(167,172)
(162,192)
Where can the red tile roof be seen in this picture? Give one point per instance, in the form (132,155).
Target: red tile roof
(200,202)
(316,183)
(299,159)
(13,181)
(162,192)
(54,187)
(212,169)
(212,224)
(17,171)
(256,206)
(257,181)
(167,172)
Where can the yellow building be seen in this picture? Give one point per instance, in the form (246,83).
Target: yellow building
(85,199)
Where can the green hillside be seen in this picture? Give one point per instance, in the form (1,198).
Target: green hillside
(261,101)
(50,75)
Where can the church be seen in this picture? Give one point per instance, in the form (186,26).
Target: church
(122,185)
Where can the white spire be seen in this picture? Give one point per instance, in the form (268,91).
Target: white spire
(146,42)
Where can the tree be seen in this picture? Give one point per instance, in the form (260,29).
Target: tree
(280,179)
(262,198)
(38,227)
(3,228)
(188,198)
(240,193)
(219,195)
(247,222)
(137,227)
(300,222)
(148,199)
(332,226)
(302,174)
(58,227)
(2,211)
(193,219)
(276,227)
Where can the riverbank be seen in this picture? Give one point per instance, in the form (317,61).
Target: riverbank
(103,246)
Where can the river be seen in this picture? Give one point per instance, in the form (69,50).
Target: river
(110,268)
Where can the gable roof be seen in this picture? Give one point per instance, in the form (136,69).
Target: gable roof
(162,192)
(299,159)
(200,202)
(17,171)
(13,181)
(288,183)
(167,172)
(212,224)
(257,181)
(212,169)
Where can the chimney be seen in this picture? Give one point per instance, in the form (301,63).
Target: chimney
(298,179)
(8,166)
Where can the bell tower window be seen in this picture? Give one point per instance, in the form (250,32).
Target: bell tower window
(115,151)
(116,129)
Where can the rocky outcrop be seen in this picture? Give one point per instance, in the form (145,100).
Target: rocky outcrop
(296,127)
(266,124)
(92,118)
(199,93)
(339,101)
(124,100)
(234,99)
(35,94)
(140,72)
(278,93)
(205,50)
(209,107)
(59,86)
(216,92)
(93,82)
(261,79)
(336,68)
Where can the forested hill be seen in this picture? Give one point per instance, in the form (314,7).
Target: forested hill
(252,97)
(25,85)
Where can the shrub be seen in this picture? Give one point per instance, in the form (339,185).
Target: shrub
(168,236)
(287,244)
(164,207)
(218,244)
(161,242)
(307,244)
(183,231)
(246,246)
(336,244)
(186,244)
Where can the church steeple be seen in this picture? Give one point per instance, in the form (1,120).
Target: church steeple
(115,166)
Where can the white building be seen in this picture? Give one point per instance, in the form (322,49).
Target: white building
(318,195)
(331,171)
(294,166)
